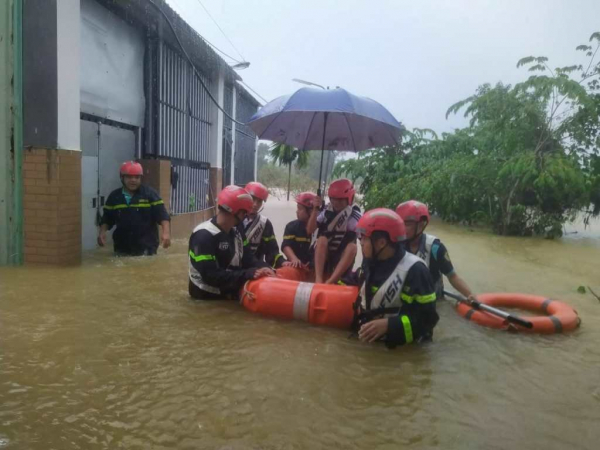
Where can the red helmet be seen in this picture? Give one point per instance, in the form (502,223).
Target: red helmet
(131,168)
(258,190)
(234,198)
(413,210)
(342,188)
(382,219)
(306,199)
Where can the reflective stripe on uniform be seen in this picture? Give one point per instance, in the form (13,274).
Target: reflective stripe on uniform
(124,206)
(279,255)
(110,208)
(202,257)
(292,237)
(419,298)
(408,334)
(158,202)
(246,242)
(267,239)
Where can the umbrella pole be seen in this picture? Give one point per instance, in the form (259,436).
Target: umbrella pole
(322,152)
(320,174)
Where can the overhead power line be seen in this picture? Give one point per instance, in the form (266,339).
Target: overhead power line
(221,30)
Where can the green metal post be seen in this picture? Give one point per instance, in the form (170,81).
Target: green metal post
(11,133)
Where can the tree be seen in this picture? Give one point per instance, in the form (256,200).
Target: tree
(528,161)
(283,154)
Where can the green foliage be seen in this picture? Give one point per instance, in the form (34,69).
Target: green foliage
(527,163)
(581,289)
(283,154)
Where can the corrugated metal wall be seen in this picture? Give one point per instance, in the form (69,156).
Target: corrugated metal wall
(245,140)
(190,191)
(183,109)
(183,129)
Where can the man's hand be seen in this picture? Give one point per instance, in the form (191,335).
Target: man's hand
(264,272)
(165,239)
(295,263)
(373,330)
(317,203)
(330,281)
(102,238)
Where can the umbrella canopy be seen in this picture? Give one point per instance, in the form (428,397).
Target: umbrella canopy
(316,119)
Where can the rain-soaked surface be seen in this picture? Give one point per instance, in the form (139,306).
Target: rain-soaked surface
(114,354)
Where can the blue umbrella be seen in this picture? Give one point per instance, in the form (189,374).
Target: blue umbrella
(316,119)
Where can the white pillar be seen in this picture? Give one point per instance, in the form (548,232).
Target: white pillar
(68,62)
(217,119)
(233,133)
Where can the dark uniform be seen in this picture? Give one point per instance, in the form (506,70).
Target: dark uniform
(435,254)
(296,237)
(211,256)
(418,299)
(440,262)
(268,249)
(338,240)
(137,232)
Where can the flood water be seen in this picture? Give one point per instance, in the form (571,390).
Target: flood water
(114,354)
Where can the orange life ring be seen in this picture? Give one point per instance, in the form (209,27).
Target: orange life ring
(319,304)
(559,316)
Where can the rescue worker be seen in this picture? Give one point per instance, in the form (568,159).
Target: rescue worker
(398,302)
(335,249)
(296,240)
(259,230)
(429,248)
(220,261)
(136,210)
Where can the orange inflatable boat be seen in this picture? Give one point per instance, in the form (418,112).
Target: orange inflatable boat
(296,274)
(558,316)
(319,304)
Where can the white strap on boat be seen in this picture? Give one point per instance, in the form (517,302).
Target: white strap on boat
(302,300)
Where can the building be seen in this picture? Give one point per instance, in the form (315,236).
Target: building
(94,83)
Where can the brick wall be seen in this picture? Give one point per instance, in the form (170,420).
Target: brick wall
(52,206)
(157,175)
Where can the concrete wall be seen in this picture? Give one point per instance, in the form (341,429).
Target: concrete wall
(51,174)
(40,85)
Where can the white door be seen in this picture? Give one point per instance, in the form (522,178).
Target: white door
(117,145)
(104,149)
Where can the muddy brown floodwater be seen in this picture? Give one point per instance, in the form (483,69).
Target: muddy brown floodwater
(114,354)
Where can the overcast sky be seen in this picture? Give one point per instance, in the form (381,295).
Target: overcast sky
(415,57)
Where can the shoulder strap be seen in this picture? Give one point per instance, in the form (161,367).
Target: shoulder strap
(388,295)
(208,226)
(255,230)
(236,261)
(340,221)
